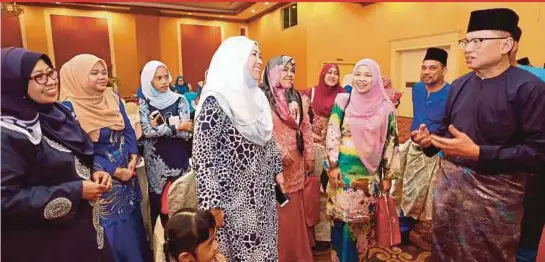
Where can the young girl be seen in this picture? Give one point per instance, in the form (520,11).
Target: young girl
(190,236)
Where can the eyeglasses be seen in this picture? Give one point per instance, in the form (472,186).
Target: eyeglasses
(41,78)
(476,42)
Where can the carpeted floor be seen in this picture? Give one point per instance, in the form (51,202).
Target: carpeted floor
(404,128)
(401,253)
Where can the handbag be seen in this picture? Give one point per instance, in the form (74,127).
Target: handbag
(387,228)
(311,200)
(164,197)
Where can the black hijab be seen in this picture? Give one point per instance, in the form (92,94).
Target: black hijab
(55,120)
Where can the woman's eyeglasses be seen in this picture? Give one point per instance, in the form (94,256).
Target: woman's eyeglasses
(41,78)
(476,42)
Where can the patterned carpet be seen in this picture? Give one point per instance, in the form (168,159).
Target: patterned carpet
(404,128)
(401,253)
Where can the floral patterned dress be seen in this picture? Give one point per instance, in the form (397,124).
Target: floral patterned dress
(166,151)
(353,205)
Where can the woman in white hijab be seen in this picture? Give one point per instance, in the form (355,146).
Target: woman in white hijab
(347,82)
(235,158)
(167,128)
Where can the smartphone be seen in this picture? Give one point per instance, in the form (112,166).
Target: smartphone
(282,198)
(154,114)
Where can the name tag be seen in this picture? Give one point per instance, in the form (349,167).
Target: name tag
(174,120)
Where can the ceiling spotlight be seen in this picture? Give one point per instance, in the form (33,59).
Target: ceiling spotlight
(189,13)
(253,10)
(58,3)
(266,3)
(102,6)
(221,16)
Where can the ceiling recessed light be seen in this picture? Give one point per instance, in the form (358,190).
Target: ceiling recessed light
(102,6)
(266,3)
(253,10)
(294,6)
(221,16)
(189,13)
(58,3)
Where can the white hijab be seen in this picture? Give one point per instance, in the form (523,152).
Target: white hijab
(156,98)
(240,99)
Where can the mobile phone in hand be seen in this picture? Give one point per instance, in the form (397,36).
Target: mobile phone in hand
(154,114)
(282,198)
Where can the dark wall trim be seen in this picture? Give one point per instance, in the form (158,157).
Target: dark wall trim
(282,4)
(194,10)
(129,10)
(267,11)
(116,8)
(244,7)
(364,4)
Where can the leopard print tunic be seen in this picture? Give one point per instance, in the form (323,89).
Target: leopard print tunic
(237,176)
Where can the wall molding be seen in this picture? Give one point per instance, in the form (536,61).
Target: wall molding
(65,12)
(23,31)
(132,10)
(267,11)
(440,40)
(181,22)
(397,47)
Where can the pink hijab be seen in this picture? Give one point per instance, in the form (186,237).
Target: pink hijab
(283,100)
(367,115)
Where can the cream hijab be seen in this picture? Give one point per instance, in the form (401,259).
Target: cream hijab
(94,109)
(239,97)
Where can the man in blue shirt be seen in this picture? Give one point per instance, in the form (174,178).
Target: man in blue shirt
(534,214)
(429,103)
(524,63)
